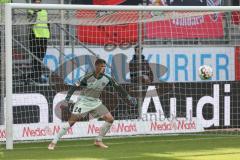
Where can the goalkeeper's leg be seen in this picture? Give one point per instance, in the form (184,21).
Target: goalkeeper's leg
(104,129)
(63,130)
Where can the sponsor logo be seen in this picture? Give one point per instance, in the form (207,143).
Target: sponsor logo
(214,101)
(169,65)
(176,125)
(41,132)
(116,128)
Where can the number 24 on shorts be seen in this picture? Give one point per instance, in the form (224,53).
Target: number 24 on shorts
(77,109)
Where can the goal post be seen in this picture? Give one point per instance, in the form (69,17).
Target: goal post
(9,90)
(173,100)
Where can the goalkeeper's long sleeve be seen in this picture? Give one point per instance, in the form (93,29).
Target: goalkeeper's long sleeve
(80,82)
(119,88)
(124,93)
(70,92)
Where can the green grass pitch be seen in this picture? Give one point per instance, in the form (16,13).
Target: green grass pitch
(185,147)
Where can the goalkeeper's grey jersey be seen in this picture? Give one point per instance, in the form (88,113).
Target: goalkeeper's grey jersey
(92,86)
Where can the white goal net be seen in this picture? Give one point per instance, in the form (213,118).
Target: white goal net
(162,73)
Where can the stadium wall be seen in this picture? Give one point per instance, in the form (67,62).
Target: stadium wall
(178,111)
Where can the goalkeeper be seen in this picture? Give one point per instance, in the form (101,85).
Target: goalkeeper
(89,103)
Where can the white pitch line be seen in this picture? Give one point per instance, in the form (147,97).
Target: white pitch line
(132,142)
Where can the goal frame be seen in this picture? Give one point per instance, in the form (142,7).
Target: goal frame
(8,40)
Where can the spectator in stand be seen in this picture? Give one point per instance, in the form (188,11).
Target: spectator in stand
(140,70)
(38,36)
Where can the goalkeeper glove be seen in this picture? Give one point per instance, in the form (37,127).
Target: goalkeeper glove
(132,100)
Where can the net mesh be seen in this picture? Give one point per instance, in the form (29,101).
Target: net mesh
(172,97)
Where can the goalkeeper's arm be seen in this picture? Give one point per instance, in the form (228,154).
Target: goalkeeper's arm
(123,92)
(70,92)
(81,82)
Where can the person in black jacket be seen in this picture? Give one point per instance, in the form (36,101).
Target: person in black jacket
(140,70)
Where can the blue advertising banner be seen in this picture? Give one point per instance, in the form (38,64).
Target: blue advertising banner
(167,64)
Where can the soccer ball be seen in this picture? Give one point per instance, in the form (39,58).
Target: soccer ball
(205,72)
